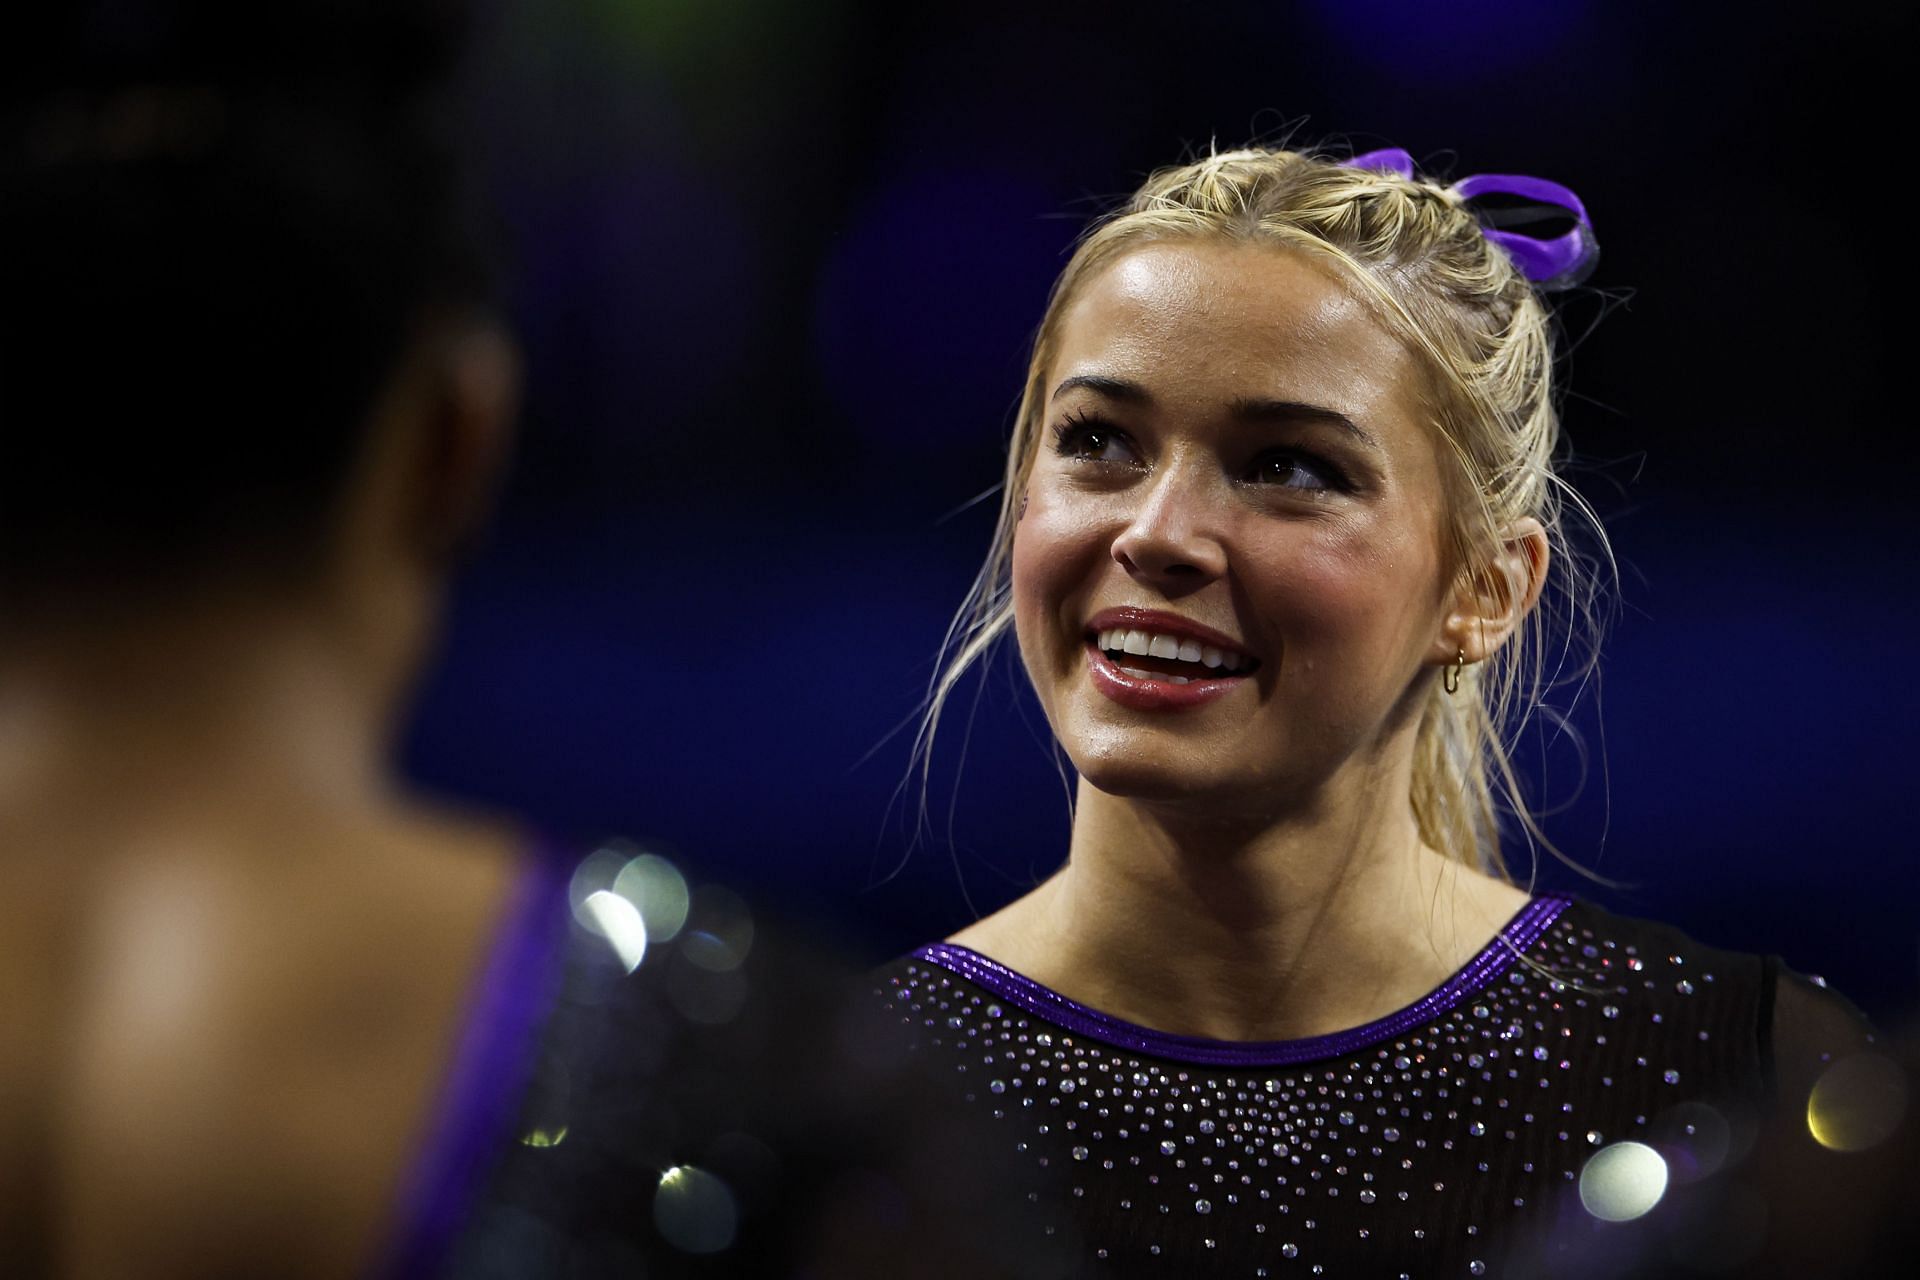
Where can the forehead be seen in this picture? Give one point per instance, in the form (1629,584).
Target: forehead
(1207,322)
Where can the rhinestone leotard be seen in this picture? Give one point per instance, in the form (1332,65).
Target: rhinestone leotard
(1447,1139)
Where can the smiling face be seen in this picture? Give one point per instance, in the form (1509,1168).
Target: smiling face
(1228,581)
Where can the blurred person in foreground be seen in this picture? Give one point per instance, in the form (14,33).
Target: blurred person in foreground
(265,1012)
(252,406)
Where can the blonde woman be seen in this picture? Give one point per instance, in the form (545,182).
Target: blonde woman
(1280,512)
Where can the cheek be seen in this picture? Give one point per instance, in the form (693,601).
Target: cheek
(1058,551)
(1354,594)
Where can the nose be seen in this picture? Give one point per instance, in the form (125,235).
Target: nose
(1171,541)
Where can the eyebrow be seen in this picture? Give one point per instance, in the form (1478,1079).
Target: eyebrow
(1241,410)
(1112,388)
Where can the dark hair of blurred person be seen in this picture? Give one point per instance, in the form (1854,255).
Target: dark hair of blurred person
(252,405)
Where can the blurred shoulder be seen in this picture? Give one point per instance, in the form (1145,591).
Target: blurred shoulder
(259,1044)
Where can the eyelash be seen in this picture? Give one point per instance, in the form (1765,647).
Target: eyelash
(1073,431)
(1077,428)
(1333,480)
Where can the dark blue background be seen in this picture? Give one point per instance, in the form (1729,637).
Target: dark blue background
(775,266)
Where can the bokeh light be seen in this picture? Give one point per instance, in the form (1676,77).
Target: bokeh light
(633,898)
(619,922)
(595,874)
(1623,1181)
(1695,1139)
(694,1210)
(1858,1102)
(656,887)
(720,931)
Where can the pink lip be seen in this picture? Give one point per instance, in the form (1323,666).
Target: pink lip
(1156,695)
(1152,695)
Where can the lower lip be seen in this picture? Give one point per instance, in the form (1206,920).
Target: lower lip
(1153,695)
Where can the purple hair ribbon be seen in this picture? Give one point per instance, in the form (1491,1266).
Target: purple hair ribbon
(1387,160)
(1508,201)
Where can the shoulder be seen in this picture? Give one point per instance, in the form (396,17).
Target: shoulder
(1654,954)
(1818,1138)
(259,1046)
(902,973)
(896,1008)
(1655,963)
(1657,947)
(934,985)
(1810,1028)
(1752,1003)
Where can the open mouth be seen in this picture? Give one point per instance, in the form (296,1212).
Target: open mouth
(1149,655)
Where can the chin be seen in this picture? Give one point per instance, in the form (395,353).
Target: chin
(1155,776)
(1141,782)
(1218,776)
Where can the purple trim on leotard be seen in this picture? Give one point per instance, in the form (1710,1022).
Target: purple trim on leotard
(1494,959)
(481,1091)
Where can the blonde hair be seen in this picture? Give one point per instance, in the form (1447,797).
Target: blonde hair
(1486,339)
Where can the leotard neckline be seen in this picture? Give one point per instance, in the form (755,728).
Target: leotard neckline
(1519,933)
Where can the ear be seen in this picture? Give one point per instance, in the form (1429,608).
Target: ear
(471,395)
(1492,598)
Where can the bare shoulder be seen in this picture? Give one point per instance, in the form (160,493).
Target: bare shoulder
(258,1046)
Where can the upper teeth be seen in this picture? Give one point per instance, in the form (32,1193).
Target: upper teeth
(1150,644)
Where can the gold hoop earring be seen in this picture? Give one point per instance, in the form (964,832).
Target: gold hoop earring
(1450,678)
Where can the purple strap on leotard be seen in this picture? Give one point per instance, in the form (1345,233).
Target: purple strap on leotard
(1494,959)
(1551,262)
(480,1093)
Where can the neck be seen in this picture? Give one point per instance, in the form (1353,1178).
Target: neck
(1293,925)
(211,716)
